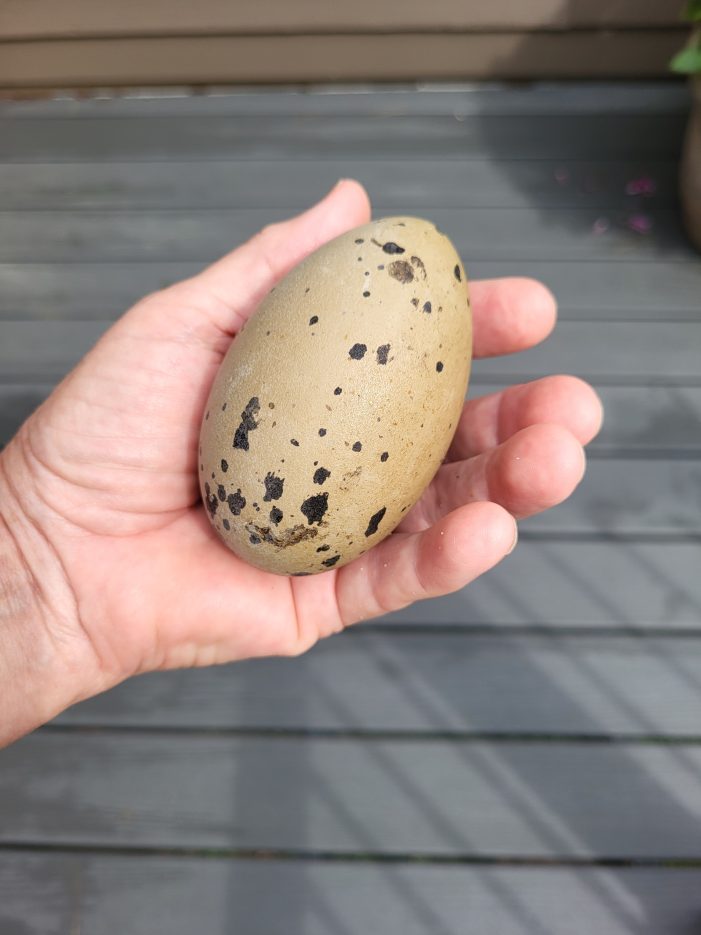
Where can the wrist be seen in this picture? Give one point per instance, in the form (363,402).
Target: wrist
(44,657)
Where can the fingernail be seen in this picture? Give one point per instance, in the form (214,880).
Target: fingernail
(514,543)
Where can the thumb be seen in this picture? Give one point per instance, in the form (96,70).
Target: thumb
(238,281)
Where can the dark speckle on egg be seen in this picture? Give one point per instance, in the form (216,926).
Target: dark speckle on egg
(212,502)
(357,351)
(427,307)
(357,446)
(322,432)
(401,271)
(236,502)
(329,562)
(221,493)
(320,475)
(254,539)
(382,352)
(337,391)
(375,521)
(457,273)
(314,507)
(391,247)
(224,465)
(293,441)
(248,423)
(359,240)
(314,319)
(273,486)
(323,548)
(384,456)
(439,365)
(366,295)
(226,524)
(275,515)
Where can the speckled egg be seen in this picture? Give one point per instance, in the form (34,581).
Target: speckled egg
(337,401)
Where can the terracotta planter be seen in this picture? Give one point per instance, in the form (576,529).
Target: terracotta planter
(690,176)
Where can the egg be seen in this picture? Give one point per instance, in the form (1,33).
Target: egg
(338,399)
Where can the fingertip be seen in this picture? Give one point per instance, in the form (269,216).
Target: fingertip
(467,542)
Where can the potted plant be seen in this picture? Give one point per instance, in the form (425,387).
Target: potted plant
(688,62)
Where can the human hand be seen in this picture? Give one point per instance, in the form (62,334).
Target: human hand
(100,484)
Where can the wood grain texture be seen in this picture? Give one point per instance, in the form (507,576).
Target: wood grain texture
(622,290)
(396,56)
(430,682)
(213,138)
(400,186)
(34,18)
(52,894)
(335,795)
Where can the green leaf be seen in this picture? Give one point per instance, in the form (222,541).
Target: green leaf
(687,62)
(692,11)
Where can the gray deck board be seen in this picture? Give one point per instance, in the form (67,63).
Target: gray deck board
(657,290)
(58,893)
(508,234)
(598,686)
(402,186)
(163,138)
(350,796)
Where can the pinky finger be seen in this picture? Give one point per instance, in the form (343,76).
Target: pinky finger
(410,567)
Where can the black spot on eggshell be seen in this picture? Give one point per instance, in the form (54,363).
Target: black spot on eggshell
(253,538)
(323,548)
(236,502)
(273,487)
(382,352)
(357,351)
(275,515)
(293,441)
(375,521)
(207,416)
(401,271)
(211,499)
(415,303)
(330,561)
(248,423)
(384,456)
(337,391)
(381,266)
(456,271)
(226,524)
(439,366)
(419,264)
(357,446)
(221,493)
(223,408)
(320,475)
(391,247)
(360,240)
(427,308)
(314,507)
(300,574)
(366,295)
(322,432)
(314,319)
(224,465)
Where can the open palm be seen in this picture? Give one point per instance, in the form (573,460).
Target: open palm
(111,457)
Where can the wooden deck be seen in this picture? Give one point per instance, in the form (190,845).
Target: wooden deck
(521,757)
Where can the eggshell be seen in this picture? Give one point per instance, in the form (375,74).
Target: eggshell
(337,401)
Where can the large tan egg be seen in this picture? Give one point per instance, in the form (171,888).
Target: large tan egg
(338,400)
